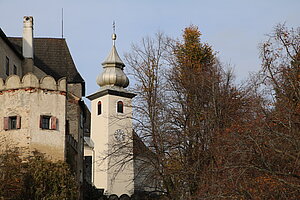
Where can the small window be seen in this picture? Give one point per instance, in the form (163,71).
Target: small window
(88,163)
(15,70)
(99,107)
(48,122)
(45,122)
(81,120)
(7,66)
(120,107)
(12,122)
(67,127)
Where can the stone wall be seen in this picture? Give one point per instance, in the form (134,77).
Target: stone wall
(30,98)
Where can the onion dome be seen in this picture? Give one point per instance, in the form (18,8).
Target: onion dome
(113,74)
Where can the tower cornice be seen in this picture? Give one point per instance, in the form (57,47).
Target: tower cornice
(111,92)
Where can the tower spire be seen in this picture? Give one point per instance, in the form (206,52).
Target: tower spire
(113,74)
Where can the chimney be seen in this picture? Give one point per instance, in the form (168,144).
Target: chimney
(28,37)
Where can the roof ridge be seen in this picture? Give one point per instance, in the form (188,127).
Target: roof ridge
(52,55)
(19,37)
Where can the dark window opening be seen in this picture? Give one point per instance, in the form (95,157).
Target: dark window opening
(81,120)
(13,122)
(120,107)
(7,66)
(67,127)
(15,70)
(45,124)
(99,108)
(48,122)
(88,161)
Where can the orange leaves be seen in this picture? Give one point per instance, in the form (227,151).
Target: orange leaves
(267,181)
(266,187)
(193,54)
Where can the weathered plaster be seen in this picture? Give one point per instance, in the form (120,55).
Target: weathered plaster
(29,99)
(6,51)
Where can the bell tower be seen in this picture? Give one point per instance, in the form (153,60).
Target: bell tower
(111,128)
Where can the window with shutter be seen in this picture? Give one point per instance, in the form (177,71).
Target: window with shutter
(48,122)
(12,122)
(41,121)
(18,125)
(53,123)
(5,123)
(45,122)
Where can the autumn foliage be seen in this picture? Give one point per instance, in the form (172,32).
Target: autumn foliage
(212,138)
(35,177)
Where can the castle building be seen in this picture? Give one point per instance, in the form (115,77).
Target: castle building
(41,97)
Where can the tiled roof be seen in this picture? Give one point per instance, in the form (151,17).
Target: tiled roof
(52,56)
(140,149)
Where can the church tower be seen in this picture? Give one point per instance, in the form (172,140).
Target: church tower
(111,128)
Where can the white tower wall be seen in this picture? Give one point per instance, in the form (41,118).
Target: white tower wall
(113,159)
(111,131)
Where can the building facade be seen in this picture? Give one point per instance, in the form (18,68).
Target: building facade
(41,97)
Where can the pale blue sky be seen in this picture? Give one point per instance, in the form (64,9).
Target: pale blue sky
(233,27)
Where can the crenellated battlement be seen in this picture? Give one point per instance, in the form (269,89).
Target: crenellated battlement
(14,82)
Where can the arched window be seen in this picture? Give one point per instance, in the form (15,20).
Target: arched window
(120,107)
(99,108)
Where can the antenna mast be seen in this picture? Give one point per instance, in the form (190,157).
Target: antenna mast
(62,23)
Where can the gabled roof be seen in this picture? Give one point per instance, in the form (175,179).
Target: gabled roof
(52,56)
(6,40)
(140,150)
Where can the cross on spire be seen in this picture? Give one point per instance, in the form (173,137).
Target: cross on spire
(114,27)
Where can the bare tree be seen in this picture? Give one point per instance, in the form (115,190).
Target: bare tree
(205,137)
(185,102)
(264,161)
(279,139)
(148,66)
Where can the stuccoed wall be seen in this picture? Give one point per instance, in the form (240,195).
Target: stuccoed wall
(74,112)
(5,51)
(75,89)
(107,173)
(30,98)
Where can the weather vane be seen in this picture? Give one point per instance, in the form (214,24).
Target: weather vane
(114,36)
